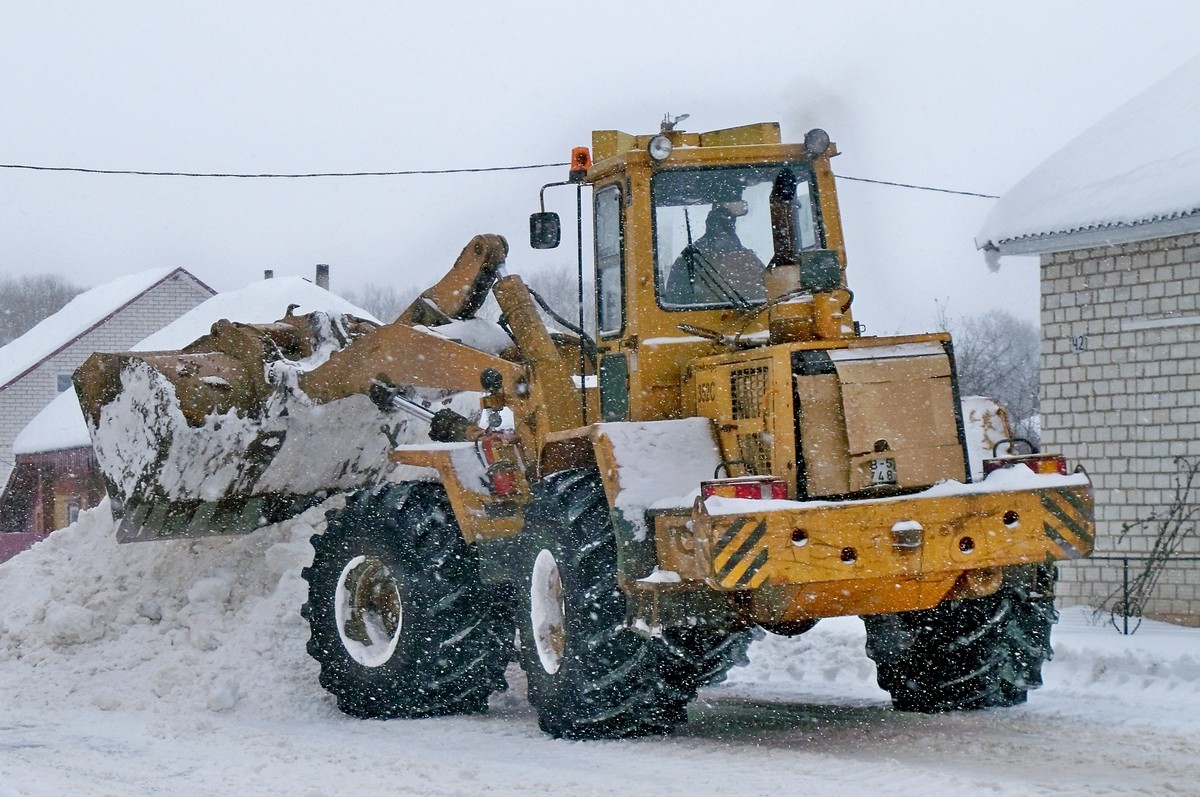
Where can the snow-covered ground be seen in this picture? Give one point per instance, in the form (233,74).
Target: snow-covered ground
(179,668)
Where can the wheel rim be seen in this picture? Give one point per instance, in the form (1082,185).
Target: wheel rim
(546,612)
(368,610)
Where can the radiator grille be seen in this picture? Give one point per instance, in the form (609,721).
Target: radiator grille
(748,386)
(748,389)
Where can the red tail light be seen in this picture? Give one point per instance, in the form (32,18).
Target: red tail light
(755,487)
(1038,463)
(503,477)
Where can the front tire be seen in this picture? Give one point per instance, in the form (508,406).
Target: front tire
(967,654)
(401,624)
(701,656)
(589,676)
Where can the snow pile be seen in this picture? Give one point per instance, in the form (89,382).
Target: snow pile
(192,627)
(180,667)
(827,662)
(1158,658)
(181,627)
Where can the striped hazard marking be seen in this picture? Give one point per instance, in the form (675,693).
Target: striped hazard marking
(1068,523)
(740,554)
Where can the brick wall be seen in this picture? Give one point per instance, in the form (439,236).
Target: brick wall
(147,314)
(1120,386)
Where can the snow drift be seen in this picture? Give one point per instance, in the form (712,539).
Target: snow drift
(213,625)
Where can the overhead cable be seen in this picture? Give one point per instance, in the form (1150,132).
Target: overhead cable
(917,187)
(268,175)
(407,173)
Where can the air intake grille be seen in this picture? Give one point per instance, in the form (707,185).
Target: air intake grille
(748,388)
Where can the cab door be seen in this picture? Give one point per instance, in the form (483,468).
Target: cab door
(610,302)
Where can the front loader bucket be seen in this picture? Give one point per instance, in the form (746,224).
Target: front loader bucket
(217,439)
(186,469)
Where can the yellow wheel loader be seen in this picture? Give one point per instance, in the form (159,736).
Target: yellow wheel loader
(725,450)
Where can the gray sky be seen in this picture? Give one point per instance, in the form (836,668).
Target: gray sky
(967,95)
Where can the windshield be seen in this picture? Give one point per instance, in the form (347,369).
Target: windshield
(712,231)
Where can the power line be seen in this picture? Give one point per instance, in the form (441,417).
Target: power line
(407,173)
(917,187)
(403,173)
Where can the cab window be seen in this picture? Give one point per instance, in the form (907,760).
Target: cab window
(609,266)
(712,232)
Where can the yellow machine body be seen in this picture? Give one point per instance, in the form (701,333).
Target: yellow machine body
(777,381)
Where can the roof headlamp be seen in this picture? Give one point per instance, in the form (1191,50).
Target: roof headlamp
(660,148)
(816,141)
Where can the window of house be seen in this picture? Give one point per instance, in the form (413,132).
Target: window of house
(64,382)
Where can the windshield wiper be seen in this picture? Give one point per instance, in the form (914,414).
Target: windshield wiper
(711,277)
(714,280)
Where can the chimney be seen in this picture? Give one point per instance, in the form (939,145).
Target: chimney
(322,276)
(268,273)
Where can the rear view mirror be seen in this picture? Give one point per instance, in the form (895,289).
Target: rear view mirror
(544,230)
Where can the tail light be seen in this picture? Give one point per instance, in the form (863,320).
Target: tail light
(503,478)
(756,487)
(1038,463)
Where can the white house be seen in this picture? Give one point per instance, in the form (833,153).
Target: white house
(56,475)
(37,366)
(1114,217)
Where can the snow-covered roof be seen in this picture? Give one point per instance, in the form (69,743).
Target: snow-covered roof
(80,315)
(258,303)
(60,424)
(1133,175)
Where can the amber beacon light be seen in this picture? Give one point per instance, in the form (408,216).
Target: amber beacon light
(581,161)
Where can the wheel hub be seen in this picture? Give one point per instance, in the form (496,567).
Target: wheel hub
(368,610)
(546,612)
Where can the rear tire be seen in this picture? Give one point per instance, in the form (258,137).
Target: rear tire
(1029,635)
(401,624)
(589,676)
(967,654)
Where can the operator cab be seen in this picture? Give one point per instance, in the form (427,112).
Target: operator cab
(704,242)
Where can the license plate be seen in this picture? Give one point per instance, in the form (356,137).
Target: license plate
(883,471)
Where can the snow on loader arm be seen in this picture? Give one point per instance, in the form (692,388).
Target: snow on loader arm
(252,424)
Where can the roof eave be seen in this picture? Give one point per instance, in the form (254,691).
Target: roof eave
(1115,235)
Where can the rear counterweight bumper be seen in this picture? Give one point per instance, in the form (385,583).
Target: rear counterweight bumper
(822,559)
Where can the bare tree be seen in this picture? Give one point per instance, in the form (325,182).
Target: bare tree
(24,301)
(385,302)
(560,290)
(997,356)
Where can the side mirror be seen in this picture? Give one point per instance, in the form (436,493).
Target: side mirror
(545,230)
